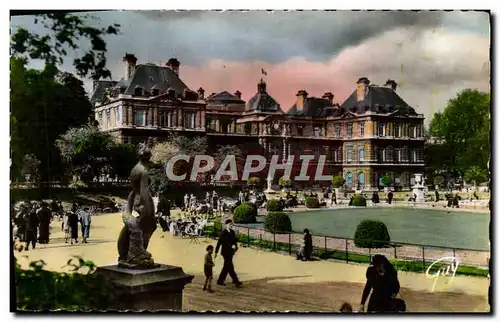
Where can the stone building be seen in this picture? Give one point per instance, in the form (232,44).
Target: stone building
(374,132)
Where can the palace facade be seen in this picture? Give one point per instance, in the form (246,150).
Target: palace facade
(372,133)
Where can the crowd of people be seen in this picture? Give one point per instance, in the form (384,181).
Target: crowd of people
(31,222)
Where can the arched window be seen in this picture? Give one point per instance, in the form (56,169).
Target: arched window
(348,178)
(361,179)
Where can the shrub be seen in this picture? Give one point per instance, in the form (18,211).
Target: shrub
(283,182)
(312,202)
(253,181)
(39,289)
(358,201)
(278,222)
(371,234)
(245,213)
(338,181)
(274,205)
(385,180)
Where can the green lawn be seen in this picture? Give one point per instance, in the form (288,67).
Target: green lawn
(417,226)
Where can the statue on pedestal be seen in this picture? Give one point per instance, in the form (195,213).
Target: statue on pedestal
(137,231)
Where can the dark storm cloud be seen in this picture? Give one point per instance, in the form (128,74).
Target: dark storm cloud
(277,36)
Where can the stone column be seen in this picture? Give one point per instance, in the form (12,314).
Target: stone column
(203,122)
(193,122)
(124,115)
(180,118)
(155,121)
(149,121)
(130,116)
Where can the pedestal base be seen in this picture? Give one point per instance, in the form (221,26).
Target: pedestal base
(153,289)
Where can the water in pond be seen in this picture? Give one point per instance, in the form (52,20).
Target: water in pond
(418,226)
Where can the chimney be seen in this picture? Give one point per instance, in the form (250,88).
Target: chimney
(201,93)
(174,64)
(301,99)
(238,94)
(130,63)
(261,86)
(362,86)
(328,96)
(392,84)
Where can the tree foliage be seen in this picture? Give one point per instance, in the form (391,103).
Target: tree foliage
(65,32)
(44,105)
(476,175)
(338,181)
(283,182)
(385,180)
(464,127)
(91,153)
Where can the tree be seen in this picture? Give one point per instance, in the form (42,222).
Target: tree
(44,105)
(476,175)
(284,182)
(464,127)
(65,32)
(338,181)
(225,150)
(123,158)
(31,168)
(385,180)
(87,151)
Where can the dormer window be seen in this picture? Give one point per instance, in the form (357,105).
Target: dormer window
(138,91)
(155,91)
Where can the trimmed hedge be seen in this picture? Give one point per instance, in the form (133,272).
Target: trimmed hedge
(274,205)
(312,202)
(245,213)
(358,201)
(277,222)
(371,234)
(338,181)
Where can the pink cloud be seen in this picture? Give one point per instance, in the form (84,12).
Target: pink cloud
(430,67)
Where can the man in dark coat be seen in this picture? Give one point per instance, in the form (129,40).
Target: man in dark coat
(308,245)
(44,215)
(73,226)
(32,223)
(226,242)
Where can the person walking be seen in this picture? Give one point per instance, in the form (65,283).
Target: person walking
(85,220)
(382,278)
(208,269)
(44,216)
(73,226)
(32,223)
(334,198)
(229,246)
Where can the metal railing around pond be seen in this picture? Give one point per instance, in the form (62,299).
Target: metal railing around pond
(340,248)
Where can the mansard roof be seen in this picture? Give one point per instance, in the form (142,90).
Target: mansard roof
(379,99)
(224,97)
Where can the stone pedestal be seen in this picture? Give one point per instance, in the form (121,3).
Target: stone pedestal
(153,289)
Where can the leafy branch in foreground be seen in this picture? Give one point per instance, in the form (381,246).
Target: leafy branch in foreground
(65,31)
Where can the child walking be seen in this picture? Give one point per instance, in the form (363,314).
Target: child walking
(208,269)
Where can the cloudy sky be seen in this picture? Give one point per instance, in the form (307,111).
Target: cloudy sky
(431,55)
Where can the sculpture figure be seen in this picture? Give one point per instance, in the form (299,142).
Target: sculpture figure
(137,231)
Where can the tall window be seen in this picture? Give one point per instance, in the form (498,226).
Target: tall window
(140,118)
(162,119)
(189,120)
(349,130)
(404,154)
(317,131)
(413,156)
(118,112)
(337,130)
(108,117)
(361,152)
(390,154)
(381,129)
(349,153)
(397,154)
(361,179)
(315,151)
(396,130)
(362,129)
(412,131)
(100,119)
(300,130)
(348,178)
